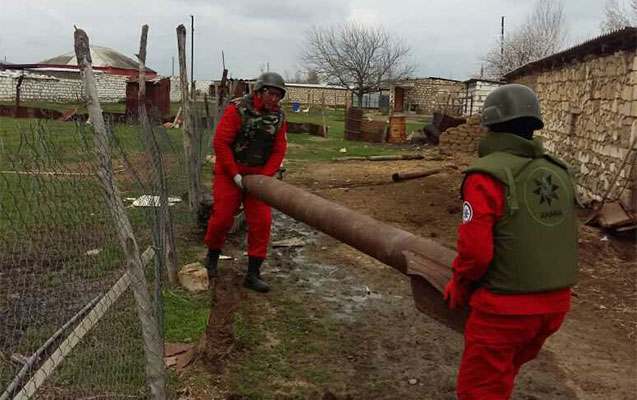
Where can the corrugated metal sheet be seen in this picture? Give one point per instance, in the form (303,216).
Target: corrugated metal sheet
(623,39)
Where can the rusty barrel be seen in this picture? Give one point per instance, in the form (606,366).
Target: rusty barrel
(426,262)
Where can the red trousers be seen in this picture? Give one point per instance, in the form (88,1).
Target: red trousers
(496,346)
(227,200)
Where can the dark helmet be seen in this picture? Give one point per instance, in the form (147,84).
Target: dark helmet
(510,102)
(270,79)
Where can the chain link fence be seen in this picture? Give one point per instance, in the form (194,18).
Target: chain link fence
(69,326)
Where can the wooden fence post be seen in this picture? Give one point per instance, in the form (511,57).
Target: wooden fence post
(192,164)
(153,344)
(168,255)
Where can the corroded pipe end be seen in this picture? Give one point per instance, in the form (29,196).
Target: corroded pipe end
(429,301)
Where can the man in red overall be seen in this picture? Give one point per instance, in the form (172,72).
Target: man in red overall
(249,139)
(517,247)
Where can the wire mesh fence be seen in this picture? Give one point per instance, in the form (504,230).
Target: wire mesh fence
(70,325)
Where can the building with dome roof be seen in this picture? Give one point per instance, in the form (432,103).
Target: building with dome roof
(57,79)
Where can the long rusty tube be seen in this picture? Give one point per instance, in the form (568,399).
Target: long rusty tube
(403,176)
(426,262)
(377,239)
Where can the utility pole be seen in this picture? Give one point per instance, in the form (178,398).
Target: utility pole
(502,39)
(173,71)
(502,68)
(192,56)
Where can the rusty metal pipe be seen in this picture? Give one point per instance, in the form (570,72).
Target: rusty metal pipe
(403,176)
(426,262)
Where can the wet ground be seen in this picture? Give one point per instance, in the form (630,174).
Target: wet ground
(339,324)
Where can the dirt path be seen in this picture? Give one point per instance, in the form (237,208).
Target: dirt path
(342,325)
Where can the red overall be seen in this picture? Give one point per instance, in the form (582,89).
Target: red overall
(227,195)
(503,331)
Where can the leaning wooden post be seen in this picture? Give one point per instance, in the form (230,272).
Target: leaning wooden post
(221,97)
(323,115)
(168,254)
(153,345)
(189,137)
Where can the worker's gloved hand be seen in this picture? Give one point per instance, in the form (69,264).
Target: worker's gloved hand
(457,292)
(238,180)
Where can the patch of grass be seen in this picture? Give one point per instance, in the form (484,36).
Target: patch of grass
(306,148)
(185,315)
(110,358)
(284,355)
(246,336)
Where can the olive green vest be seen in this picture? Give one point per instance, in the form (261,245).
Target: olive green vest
(535,242)
(255,140)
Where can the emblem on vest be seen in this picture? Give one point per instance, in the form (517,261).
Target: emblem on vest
(546,198)
(467,212)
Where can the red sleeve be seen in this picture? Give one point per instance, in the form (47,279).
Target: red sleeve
(278,151)
(225,134)
(483,205)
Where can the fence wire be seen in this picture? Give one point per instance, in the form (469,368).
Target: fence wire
(69,325)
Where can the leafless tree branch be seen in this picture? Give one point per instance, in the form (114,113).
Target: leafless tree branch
(617,17)
(542,34)
(356,56)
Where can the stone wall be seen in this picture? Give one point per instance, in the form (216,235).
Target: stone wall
(463,138)
(314,94)
(424,96)
(43,88)
(590,117)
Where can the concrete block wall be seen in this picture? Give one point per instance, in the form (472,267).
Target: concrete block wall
(475,94)
(175,89)
(590,115)
(38,87)
(308,95)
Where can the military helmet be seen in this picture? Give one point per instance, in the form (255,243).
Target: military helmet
(510,102)
(270,79)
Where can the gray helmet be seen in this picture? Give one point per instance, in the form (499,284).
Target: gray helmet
(270,79)
(509,102)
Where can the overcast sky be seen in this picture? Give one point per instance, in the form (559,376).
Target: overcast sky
(447,37)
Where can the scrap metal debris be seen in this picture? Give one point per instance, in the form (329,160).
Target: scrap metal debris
(147,200)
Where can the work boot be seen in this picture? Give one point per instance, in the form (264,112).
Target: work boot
(253,278)
(211,263)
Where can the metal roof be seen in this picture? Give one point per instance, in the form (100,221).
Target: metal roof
(623,39)
(471,80)
(315,85)
(100,56)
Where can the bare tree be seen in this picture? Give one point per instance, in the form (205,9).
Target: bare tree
(542,34)
(356,56)
(311,76)
(616,16)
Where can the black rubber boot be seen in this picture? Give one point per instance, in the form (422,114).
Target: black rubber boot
(211,263)
(253,278)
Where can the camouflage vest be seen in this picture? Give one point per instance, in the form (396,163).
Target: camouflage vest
(253,144)
(535,242)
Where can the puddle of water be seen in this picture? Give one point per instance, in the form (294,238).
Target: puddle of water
(345,297)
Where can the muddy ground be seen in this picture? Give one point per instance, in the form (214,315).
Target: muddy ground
(339,324)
